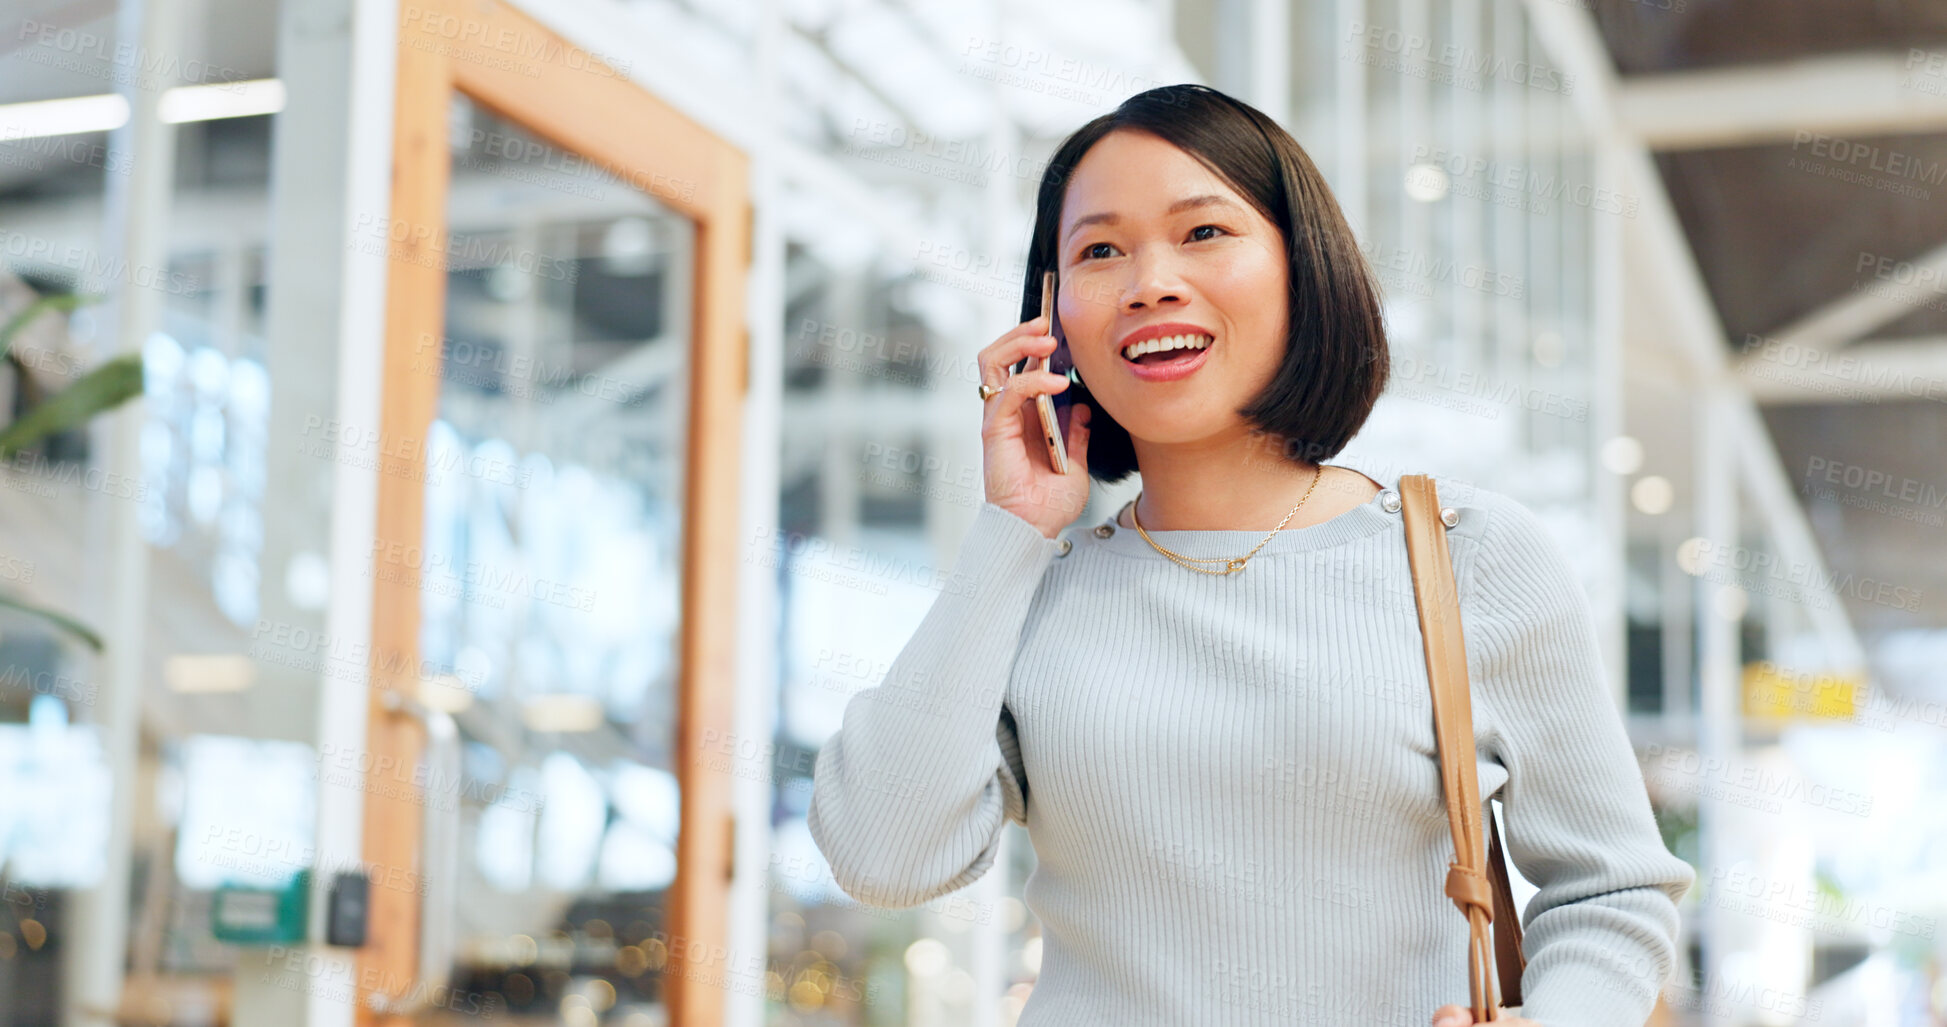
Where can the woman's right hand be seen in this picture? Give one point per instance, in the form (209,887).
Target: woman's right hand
(1019,477)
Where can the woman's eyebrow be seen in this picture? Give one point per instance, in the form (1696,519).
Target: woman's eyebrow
(1110,217)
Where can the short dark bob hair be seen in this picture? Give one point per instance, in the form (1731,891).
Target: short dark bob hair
(1335,361)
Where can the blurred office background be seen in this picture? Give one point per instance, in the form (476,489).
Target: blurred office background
(476,448)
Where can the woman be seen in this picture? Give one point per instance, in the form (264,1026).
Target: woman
(1211,711)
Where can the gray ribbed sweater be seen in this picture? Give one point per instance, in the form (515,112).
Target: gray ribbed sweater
(1231,784)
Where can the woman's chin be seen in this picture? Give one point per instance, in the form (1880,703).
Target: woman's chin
(1165,431)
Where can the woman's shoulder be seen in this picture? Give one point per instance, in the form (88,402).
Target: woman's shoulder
(1509,549)
(1482,510)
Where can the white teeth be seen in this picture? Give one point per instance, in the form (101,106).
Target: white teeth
(1135,350)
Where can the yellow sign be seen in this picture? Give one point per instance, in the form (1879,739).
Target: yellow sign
(1779,693)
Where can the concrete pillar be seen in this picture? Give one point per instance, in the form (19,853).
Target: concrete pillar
(136,227)
(324,320)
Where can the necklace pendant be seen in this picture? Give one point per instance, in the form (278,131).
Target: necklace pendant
(1236,564)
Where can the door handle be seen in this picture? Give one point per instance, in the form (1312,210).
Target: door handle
(439,861)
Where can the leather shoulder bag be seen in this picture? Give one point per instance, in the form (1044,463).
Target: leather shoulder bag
(1479,887)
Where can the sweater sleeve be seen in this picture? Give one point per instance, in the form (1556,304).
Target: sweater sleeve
(910,794)
(1600,935)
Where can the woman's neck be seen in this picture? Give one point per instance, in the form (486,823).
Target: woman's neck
(1247,485)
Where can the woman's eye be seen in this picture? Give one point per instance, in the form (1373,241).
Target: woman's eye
(1090,252)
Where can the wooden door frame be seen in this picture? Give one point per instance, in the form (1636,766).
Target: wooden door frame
(511,64)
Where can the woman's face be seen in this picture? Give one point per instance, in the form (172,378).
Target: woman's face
(1151,239)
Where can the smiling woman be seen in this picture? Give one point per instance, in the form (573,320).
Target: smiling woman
(1220,738)
(1177,215)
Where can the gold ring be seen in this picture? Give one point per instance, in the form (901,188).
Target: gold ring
(988,392)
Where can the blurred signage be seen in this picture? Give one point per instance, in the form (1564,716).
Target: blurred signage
(261,916)
(1779,693)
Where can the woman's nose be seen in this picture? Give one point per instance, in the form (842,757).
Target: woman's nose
(1152,281)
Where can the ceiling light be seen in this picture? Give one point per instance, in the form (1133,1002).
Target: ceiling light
(1427,183)
(1692,556)
(105,112)
(629,247)
(562,713)
(1622,455)
(221,100)
(445,692)
(72,116)
(207,673)
(1652,494)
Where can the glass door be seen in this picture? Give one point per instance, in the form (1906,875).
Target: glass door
(557,517)
(550,586)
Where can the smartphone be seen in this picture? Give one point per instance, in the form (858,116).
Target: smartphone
(1051,431)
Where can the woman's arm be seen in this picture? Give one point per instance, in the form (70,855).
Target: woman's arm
(910,794)
(1601,934)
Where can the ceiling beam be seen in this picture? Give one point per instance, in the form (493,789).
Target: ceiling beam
(1656,251)
(1858,311)
(1867,372)
(1854,95)
(1662,269)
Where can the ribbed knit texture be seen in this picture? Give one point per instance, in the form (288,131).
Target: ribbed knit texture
(1231,783)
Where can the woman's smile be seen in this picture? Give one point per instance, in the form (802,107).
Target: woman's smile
(1166,352)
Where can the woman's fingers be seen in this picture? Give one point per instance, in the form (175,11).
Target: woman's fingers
(1018,469)
(1020,389)
(1029,338)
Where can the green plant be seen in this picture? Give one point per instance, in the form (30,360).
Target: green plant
(116,381)
(107,386)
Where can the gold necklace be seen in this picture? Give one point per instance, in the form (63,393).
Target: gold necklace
(1233,564)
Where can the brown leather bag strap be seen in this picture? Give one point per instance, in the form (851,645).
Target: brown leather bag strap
(1476,880)
(1508,958)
